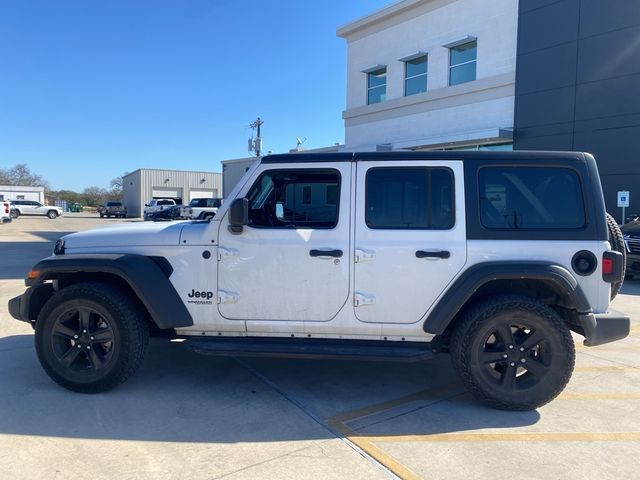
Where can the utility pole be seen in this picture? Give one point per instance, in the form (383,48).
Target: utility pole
(255,145)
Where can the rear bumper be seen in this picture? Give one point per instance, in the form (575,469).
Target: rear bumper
(600,328)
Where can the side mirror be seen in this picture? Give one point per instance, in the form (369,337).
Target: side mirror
(238,215)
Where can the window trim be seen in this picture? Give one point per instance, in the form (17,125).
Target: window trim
(452,176)
(297,227)
(451,66)
(425,75)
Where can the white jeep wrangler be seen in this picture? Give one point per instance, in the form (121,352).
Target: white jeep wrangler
(491,257)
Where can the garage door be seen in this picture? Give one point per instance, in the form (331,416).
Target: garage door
(165,192)
(202,194)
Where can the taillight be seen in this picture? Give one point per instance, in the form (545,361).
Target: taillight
(612,266)
(607,266)
(6,208)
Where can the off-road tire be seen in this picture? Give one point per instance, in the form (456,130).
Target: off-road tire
(113,306)
(616,240)
(556,352)
(52,214)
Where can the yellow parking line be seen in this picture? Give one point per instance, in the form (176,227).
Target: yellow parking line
(513,437)
(428,394)
(607,368)
(599,396)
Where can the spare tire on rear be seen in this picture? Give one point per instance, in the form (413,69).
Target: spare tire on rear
(616,240)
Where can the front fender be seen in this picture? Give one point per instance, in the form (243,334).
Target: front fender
(148,277)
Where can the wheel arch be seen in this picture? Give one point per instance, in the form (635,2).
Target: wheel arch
(547,282)
(145,278)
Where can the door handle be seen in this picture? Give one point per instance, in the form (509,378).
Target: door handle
(326,253)
(440,254)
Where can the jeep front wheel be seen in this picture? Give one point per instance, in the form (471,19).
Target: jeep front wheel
(513,353)
(90,337)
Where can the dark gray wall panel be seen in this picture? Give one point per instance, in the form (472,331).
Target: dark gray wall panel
(548,26)
(544,108)
(608,98)
(598,16)
(617,149)
(609,55)
(549,68)
(529,5)
(612,184)
(548,142)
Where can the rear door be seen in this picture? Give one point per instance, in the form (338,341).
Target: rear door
(410,237)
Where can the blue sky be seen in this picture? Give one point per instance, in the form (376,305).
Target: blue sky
(90,89)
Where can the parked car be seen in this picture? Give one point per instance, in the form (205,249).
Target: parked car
(493,257)
(112,209)
(631,238)
(157,205)
(173,212)
(5,212)
(202,208)
(31,207)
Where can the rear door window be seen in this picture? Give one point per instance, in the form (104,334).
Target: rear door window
(407,198)
(530,198)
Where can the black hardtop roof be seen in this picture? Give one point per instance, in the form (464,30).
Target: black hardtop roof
(519,156)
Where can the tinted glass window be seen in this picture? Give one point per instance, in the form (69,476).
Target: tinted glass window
(409,198)
(166,202)
(294,199)
(530,197)
(415,76)
(114,204)
(462,63)
(377,86)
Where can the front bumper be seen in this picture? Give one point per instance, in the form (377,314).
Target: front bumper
(26,307)
(600,328)
(633,264)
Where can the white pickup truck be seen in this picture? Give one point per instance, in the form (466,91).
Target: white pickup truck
(201,208)
(157,205)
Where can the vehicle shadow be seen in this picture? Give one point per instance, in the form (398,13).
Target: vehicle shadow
(18,257)
(181,396)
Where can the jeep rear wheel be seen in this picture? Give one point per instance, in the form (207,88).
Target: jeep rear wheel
(513,353)
(91,337)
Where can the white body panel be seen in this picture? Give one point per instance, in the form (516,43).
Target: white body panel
(265,283)
(5,212)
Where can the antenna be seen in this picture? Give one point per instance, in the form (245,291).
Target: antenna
(300,142)
(255,144)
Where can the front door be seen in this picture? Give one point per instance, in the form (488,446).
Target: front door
(409,237)
(291,262)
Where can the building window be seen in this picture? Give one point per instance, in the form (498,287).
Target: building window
(377,86)
(415,76)
(306,195)
(462,63)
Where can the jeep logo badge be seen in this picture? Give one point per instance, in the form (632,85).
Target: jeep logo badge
(200,297)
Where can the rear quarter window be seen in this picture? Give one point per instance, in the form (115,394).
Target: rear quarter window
(530,198)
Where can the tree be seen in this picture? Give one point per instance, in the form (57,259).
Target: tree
(94,196)
(116,186)
(20,174)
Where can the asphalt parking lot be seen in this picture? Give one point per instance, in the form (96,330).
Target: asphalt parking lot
(186,415)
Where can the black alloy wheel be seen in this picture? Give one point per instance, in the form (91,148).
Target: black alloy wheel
(91,336)
(513,353)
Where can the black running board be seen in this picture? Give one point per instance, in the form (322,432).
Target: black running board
(368,350)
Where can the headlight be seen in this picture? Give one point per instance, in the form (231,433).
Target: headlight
(58,248)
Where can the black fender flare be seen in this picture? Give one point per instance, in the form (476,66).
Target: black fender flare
(148,277)
(462,289)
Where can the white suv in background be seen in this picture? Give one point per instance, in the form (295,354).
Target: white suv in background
(201,208)
(31,207)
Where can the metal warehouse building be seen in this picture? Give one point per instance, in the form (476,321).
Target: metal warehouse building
(143,185)
(16,192)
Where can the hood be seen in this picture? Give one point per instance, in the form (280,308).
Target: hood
(127,235)
(631,228)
